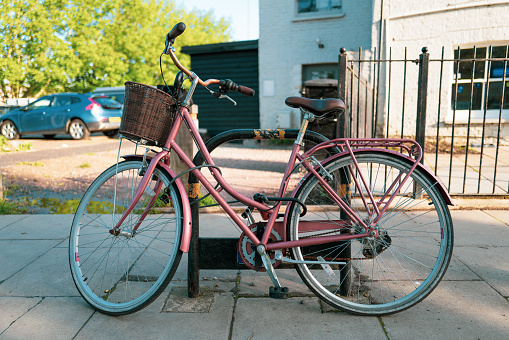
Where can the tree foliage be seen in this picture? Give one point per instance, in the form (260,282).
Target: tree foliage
(68,45)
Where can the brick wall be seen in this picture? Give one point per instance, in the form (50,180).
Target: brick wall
(286,44)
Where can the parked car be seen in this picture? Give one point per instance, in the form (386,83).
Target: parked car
(116,93)
(7,108)
(64,113)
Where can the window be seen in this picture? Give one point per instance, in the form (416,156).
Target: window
(320,71)
(305,6)
(318,9)
(61,101)
(40,104)
(480,83)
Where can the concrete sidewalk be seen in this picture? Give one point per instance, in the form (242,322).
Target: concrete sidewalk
(39,300)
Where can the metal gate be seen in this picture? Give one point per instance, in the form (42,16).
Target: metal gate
(457,108)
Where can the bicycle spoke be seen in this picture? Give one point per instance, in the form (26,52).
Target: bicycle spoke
(386,273)
(122,271)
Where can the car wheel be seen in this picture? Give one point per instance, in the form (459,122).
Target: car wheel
(111,133)
(9,130)
(78,129)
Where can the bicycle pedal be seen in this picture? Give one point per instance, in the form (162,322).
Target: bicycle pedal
(278,292)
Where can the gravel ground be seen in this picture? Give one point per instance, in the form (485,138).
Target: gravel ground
(248,170)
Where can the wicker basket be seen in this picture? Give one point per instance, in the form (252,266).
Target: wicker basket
(148,114)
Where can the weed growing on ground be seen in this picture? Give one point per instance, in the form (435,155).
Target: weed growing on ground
(24,146)
(10,208)
(84,165)
(5,146)
(31,163)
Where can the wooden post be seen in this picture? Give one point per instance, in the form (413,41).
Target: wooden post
(185,141)
(1,186)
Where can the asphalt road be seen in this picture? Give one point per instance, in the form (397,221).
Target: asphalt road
(60,147)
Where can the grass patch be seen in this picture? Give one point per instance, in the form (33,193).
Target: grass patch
(5,146)
(84,166)
(24,146)
(209,200)
(11,208)
(31,163)
(8,208)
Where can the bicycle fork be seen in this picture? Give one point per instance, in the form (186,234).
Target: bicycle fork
(141,188)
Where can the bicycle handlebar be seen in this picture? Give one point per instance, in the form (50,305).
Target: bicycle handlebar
(224,85)
(228,85)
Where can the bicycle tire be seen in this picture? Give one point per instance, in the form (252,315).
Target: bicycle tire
(122,274)
(379,276)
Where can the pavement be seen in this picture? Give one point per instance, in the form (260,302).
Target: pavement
(38,298)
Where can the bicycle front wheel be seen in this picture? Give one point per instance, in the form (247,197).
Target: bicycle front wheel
(123,272)
(382,275)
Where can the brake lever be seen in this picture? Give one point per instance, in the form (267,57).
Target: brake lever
(219,95)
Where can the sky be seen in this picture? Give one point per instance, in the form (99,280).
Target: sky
(243,15)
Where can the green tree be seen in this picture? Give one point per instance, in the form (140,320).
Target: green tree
(31,52)
(67,45)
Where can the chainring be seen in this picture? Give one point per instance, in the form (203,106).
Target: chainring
(247,250)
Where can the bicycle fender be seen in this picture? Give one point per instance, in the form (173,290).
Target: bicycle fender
(186,207)
(441,188)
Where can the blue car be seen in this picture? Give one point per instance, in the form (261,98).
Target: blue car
(63,113)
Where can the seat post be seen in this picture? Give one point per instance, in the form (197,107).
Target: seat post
(308,117)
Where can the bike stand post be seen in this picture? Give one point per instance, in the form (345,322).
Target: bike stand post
(227,257)
(193,269)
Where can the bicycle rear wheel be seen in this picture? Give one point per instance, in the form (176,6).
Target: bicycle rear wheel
(124,273)
(374,276)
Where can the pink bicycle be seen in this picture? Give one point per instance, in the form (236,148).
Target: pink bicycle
(368,228)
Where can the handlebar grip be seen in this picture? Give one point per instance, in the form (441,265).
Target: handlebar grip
(177,30)
(228,85)
(246,91)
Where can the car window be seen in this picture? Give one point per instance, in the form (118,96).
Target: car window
(61,101)
(75,100)
(41,103)
(107,102)
(118,97)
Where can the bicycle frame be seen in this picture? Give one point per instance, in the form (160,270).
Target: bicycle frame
(377,240)
(346,145)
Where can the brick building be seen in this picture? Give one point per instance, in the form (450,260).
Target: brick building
(300,40)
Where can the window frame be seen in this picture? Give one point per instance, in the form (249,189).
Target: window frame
(461,116)
(328,14)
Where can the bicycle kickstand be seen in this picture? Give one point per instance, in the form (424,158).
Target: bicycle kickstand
(276,291)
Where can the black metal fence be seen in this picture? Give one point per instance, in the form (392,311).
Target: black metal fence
(456,107)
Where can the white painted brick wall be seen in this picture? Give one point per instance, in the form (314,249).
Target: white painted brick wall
(285,45)
(464,26)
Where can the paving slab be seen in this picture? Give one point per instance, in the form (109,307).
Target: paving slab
(49,275)
(459,271)
(455,310)
(52,318)
(13,308)
(152,324)
(500,215)
(256,284)
(15,255)
(298,318)
(477,228)
(491,264)
(6,220)
(40,227)
(38,294)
